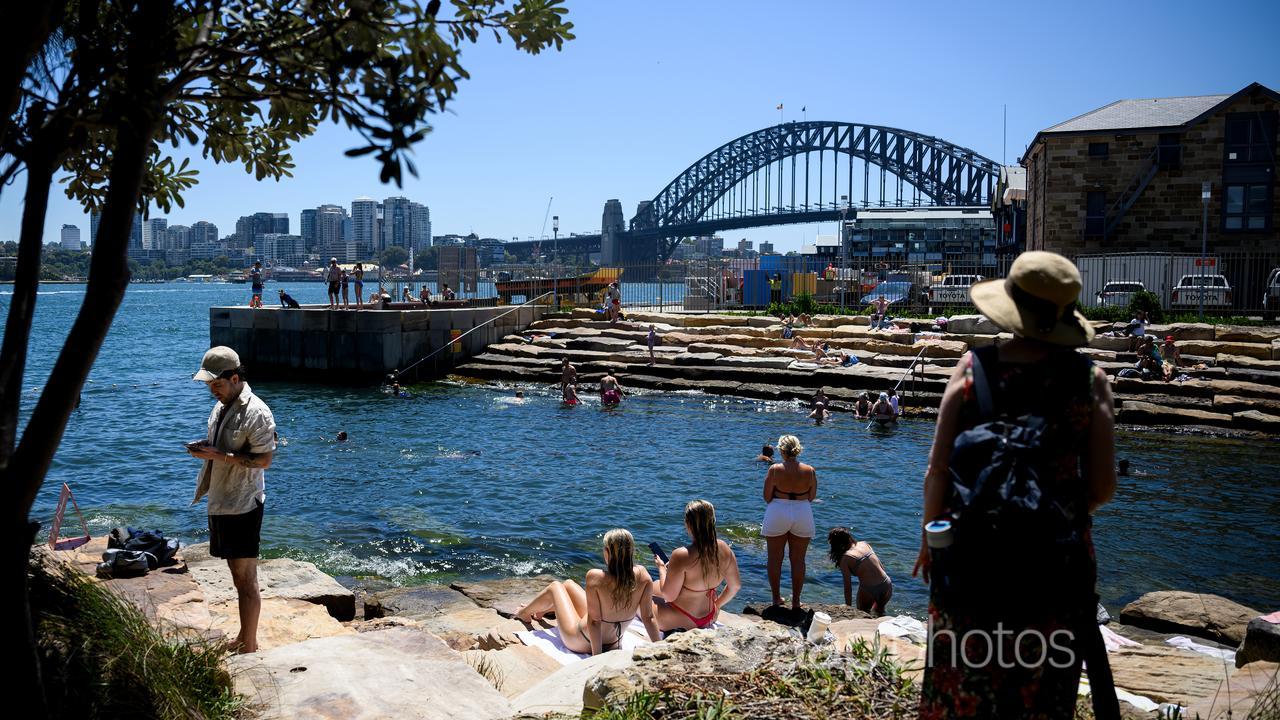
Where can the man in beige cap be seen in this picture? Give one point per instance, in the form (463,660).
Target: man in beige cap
(236,452)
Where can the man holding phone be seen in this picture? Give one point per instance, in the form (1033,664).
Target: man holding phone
(236,453)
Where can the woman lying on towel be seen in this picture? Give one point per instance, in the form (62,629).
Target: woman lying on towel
(690,581)
(592,620)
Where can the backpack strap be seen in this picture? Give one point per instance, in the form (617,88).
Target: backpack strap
(982,385)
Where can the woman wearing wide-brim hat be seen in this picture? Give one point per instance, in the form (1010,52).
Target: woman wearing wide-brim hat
(1037,373)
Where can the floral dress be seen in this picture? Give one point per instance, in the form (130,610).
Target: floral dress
(1005,675)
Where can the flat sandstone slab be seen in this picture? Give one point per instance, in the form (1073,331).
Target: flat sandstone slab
(282,578)
(400,673)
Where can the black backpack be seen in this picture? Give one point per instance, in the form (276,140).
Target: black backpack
(1018,548)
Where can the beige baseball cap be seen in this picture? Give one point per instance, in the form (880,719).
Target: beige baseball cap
(216,361)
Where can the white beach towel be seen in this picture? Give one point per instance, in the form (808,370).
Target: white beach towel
(1189,644)
(904,627)
(1114,640)
(803,365)
(548,641)
(1145,704)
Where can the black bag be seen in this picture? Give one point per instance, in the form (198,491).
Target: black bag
(1018,549)
(161,549)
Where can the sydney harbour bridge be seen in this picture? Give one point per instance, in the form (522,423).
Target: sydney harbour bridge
(796,172)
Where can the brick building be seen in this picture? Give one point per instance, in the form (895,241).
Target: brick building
(1127,177)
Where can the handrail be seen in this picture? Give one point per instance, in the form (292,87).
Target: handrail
(486,322)
(910,367)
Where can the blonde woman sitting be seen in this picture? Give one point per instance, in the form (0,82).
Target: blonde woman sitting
(690,582)
(592,620)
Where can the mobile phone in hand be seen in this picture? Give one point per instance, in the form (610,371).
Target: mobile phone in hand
(658,551)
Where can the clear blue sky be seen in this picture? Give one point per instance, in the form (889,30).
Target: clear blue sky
(650,86)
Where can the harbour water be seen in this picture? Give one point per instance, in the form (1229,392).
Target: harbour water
(460,481)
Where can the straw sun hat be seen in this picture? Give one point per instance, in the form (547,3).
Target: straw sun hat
(1037,301)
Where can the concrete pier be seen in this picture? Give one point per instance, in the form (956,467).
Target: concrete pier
(345,346)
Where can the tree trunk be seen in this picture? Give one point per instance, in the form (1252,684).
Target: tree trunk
(20,481)
(17,330)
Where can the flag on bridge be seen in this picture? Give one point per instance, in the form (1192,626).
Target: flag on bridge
(802,109)
(779,106)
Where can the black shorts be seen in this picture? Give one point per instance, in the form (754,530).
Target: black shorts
(333,287)
(236,536)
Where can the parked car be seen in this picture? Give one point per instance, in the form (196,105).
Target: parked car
(1271,296)
(897,292)
(953,290)
(1119,293)
(1215,289)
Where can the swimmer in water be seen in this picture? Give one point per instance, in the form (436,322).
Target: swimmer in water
(766,455)
(342,436)
(819,414)
(570,395)
(610,390)
(520,395)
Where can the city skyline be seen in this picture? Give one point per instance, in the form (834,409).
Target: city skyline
(528,132)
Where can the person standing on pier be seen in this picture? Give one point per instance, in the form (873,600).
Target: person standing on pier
(334,278)
(236,452)
(346,281)
(358,275)
(255,284)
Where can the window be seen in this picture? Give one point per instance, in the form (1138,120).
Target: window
(1247,207)
(1095,215)
(1169,151)
(1251,137)
(1098,151)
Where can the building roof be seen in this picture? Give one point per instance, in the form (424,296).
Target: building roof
(1146,113)
(1151,113)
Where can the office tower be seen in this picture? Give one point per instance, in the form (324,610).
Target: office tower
(95,219)
(364,224)
(308,228)
(70,237)
(153,233)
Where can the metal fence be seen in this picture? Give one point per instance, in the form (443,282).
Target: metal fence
(1233,284)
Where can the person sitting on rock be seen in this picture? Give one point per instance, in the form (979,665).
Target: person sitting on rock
(858,559)
(690,582)
(592,619)
(787,330)
(1150,364)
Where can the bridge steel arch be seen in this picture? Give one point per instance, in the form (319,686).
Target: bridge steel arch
(944,173)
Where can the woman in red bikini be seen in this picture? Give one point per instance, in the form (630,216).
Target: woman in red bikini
(689,582)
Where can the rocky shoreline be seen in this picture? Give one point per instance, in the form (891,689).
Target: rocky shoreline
(437,651)
(1237,392)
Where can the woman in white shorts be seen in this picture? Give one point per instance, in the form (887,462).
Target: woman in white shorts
(789,488)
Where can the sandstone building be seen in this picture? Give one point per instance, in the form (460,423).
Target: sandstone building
(1127,177)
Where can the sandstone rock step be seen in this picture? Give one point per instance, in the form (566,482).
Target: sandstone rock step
(399,672)
(278,578)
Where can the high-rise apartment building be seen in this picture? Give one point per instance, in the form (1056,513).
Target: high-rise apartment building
(766,248)
(282,249)
(405,224)
(177,237)
(365,230)
(153,233)
(70,237)
(329,236)
(204,241)
(420,230)
(135,232)
(251,228)
(95,219)
(307,228)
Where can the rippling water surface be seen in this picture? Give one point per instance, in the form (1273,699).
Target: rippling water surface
(460,481)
